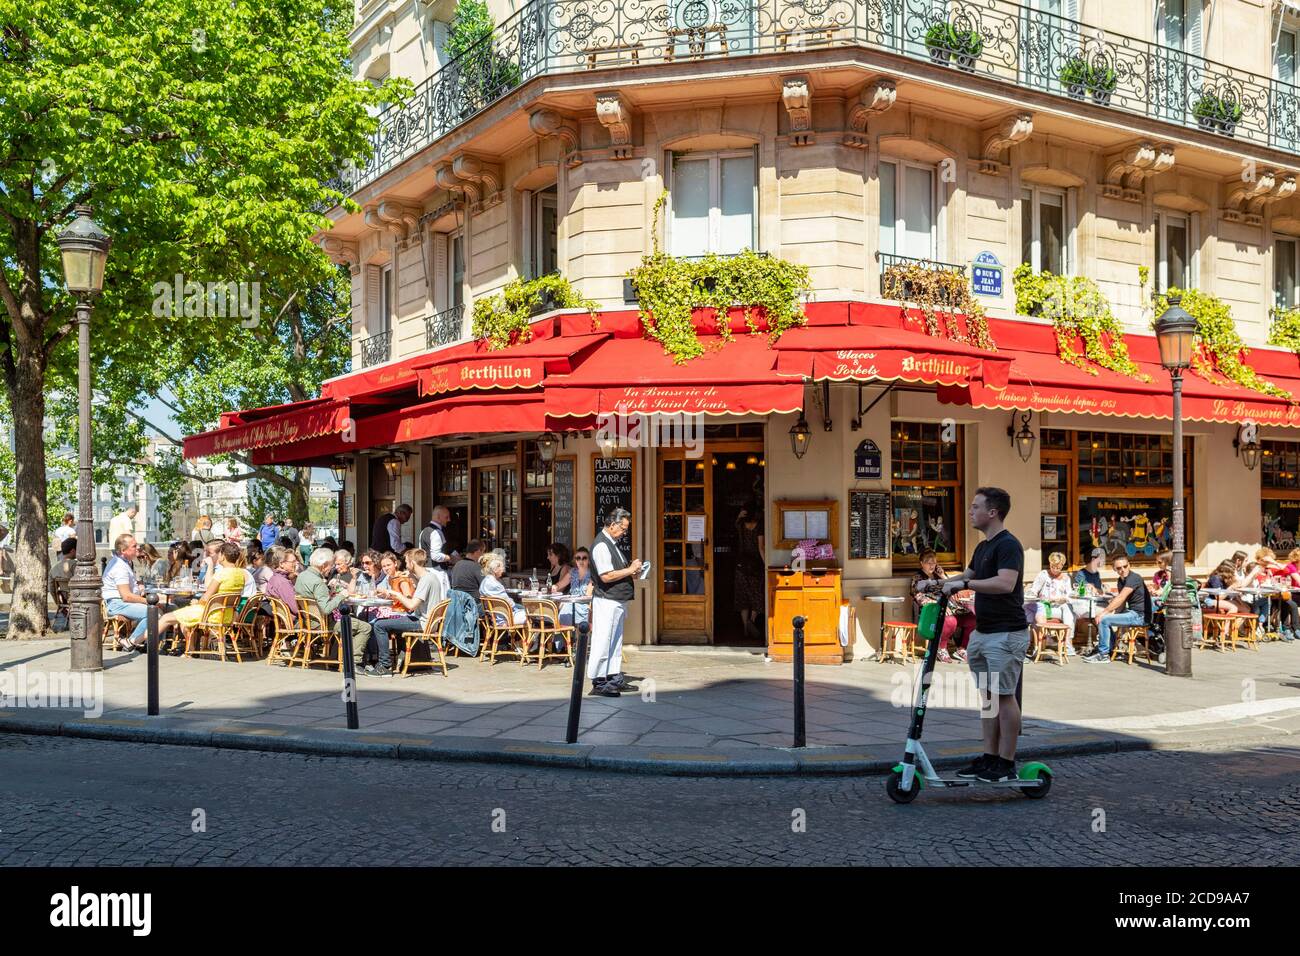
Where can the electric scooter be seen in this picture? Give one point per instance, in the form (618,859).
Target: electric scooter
(916,772)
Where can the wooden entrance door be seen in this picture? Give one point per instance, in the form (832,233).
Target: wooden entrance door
(496,509)
(685,571)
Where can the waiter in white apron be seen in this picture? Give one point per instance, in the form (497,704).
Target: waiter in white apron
(613,589)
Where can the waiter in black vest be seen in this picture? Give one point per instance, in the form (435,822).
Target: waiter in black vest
(386,535)
(612,584)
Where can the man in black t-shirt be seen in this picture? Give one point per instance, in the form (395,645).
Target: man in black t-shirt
(1127,607)
(466,575)
(996,652)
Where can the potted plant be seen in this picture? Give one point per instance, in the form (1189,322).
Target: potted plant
(1206,111)
(939,41)
(1075,76)
(1102,81)
(1229,116)
(967,46)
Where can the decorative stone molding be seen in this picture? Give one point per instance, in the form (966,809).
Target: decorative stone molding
(1247,201)
(550,123)
(400,220)
(341,252)
(796,94)
(876,97)
(486,176)
(616,116)
(445,175)
(1012,130)
(1125,171)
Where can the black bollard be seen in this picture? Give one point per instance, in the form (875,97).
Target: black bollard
(349,669)
(579,677)
(800,730)
(152,670)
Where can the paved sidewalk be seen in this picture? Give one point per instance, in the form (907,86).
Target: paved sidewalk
(693,705)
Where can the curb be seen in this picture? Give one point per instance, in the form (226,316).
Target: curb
(681,761)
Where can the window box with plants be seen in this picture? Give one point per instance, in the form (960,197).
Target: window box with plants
(945,42)
(1074,76)
(1217,114)
(1102,81)
(503,319)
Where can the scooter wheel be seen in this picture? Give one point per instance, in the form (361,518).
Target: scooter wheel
(1040,791)
(893,787)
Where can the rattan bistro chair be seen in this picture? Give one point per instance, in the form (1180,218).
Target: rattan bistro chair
(431,634)
(513,636)
(215,630)
(316,632)
(286,640)
(544,626)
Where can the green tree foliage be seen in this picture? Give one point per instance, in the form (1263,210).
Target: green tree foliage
(201,131)
(471,23)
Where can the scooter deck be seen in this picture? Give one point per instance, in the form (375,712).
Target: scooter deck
(960,782)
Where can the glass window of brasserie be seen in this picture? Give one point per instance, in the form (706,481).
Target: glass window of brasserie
(1125,490)
(926,491)
(1279,466)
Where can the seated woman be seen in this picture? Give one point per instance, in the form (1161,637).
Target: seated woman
(958,620)
(344,576)
(1161,576)
(580,585)
(1224,577)
(560,570)
(397,582)
(1049,596)
(228,578)
(494,569)
(1268,571)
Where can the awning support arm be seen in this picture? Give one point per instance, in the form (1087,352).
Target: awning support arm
(856,423)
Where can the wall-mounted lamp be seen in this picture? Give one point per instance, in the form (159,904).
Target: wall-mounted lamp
(800,436)
(339,470)
(547,445)
(1022,440)
(394,463)
(1248,451)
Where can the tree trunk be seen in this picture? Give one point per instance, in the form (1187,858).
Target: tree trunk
(29,614)
(299,497)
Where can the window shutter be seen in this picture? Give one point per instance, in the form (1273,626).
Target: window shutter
(374,296)
(440,298)
(1194,46)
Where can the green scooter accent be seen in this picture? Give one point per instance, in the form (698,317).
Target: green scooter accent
(1033,770)
(917,780)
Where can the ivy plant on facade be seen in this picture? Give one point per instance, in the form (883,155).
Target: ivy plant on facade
(1079,311)
(1285,330)
(502,319)
(1220,349)
(941,295)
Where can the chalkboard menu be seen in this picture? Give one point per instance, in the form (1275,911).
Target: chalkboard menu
(868,524)
(614,480)
(562,495)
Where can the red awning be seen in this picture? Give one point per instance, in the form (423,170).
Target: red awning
(1040,381)
(866,353)
(473,414)
(520,366)
(635,376)
(298,422)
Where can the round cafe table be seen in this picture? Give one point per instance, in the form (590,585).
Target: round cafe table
(884,600)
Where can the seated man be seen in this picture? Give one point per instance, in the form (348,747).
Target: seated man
(61,573)
(120,599)
(311,584)
(430,591)
(1127,607)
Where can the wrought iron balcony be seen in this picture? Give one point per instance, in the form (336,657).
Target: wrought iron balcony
(375,349)
(1002,41)
(443,328)
(896,273)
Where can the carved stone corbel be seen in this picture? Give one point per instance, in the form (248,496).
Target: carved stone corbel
(616,116)
(446,177)
(486,175)
(876,97)
(1284,187)
(1242,196)
(1126,171)
(342,252)
(550,123)
(796,94)
(1012,130)
(400,220)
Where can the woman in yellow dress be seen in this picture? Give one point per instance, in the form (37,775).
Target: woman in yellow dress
(228,578)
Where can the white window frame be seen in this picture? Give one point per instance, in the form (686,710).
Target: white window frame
(936,205)
(1291,27)
(1163,217)
(715,158)
(455,288)
(1294,296)
(384,319)
(1036,227)
(541,200)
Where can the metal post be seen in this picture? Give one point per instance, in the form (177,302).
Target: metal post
(800,729)
(349,669)
(579,678)
(152,599)
(85,622)
(1178,606)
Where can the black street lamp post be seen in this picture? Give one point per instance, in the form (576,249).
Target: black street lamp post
(1176,335)
(84,248)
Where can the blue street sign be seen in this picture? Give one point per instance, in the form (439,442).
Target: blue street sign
(986,275)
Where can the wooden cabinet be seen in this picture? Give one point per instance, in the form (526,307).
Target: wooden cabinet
(816,595)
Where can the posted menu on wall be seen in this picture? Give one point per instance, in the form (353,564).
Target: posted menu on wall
(562,491)
(868,524)
(613,480)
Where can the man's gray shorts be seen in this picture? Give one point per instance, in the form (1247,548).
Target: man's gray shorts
(996,659)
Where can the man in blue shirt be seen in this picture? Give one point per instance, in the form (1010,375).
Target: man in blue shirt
(269,533)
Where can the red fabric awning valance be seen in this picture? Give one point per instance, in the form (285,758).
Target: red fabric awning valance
(520,366)
(297,423)
(862,353)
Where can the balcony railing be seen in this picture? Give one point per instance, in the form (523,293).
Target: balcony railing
(894,272)
(990,38)
(375,349)
(443,328)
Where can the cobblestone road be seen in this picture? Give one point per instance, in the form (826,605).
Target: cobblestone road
(70,802)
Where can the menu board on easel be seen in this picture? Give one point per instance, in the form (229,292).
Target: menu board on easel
(562,500)
(868,524)
(613,481)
